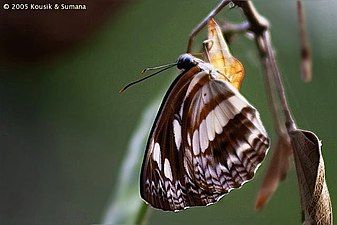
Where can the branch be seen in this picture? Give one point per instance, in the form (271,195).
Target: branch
(260,27)
(203,23)
(230,28)
(282,150)
(315,199)
(258,24)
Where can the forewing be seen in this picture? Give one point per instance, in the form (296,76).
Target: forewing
(164,183)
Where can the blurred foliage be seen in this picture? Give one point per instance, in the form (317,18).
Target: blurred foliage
(29,36)
(126,205)
(65,129)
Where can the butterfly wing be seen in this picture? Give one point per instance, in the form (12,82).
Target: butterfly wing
(163,177)
(206,140)
(225,138)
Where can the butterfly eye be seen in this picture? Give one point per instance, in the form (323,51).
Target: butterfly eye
(186,62)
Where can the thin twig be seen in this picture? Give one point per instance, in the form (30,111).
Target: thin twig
(290,123)
(306,59)
(258,23)
(197,29)
(230,28)
(271,98)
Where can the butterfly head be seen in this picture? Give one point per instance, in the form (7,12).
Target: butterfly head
(186,62)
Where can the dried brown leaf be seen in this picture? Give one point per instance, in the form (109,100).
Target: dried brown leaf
(315,198)
(220,56)
(276,172)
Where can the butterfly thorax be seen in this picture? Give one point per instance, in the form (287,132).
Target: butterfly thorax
(187,61)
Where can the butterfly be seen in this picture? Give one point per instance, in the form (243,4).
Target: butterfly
(207,139)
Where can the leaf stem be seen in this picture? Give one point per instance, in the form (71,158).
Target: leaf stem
(142,216)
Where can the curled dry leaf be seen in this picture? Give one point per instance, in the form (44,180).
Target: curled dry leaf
(276,172)
(315,198)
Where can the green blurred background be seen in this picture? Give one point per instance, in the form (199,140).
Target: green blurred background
(64,129)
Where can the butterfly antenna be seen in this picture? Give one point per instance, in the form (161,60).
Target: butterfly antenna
(158,67)
(147,77)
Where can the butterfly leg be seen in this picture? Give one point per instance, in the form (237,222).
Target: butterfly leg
(203,23)
(207,44)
